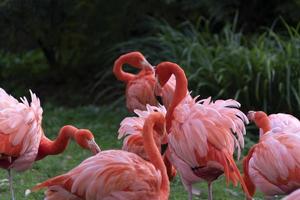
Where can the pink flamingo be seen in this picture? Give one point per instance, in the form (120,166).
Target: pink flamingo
(115,174)
(201,139)
(279,120)
(132,129)
(22,140)
(140,88)
(273,165)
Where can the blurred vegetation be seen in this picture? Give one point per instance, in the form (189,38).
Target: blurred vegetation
(64,50)
(262,71)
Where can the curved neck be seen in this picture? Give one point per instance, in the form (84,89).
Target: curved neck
(181,90)
(120,73)
(49,147)
(263,122)
(153,152)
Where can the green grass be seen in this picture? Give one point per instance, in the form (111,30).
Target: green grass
(104,123)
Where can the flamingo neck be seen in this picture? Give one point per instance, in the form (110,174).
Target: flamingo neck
(120,73)
(154,154)
(263,123)
(179,93)
(49,147)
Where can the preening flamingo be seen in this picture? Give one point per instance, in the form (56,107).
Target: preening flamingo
(279,120)
(115,174)
(132,129)
(201,134)
(22,140)
(140,88)
(273,164)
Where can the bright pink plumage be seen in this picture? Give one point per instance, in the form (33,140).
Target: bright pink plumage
(202,137)
(20,131)
(132,129)
(109,175)
(116,174)
(279,120)
(283,120)
(140,90)
(141,87)
(273,165)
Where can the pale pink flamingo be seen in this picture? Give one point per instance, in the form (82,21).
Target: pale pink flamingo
(201,134)
(273,164)
(279,120)
(115,174)
(140,88)
(22,140)
(132,129)
(293,196)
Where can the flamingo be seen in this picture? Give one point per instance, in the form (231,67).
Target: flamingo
(140,88)
(273,165)
(22,140)
(201,134)
(293,196)
(279,120)
(132,129)
(115,174)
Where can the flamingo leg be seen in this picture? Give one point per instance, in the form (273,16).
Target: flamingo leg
(11,184)
(190,192)
(188,187)
(210,191)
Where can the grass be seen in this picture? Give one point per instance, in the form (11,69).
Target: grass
(104,123)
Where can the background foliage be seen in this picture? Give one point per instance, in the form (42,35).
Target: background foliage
(260,70)
(64,50)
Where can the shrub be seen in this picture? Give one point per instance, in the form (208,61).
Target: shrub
(260,71)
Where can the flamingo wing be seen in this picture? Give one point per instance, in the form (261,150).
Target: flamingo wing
(110,175)
(282,120)
(274,167)
(131,128)
(140,92)
(203,136)
(196,125)
(20,129)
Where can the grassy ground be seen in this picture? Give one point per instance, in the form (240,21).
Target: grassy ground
(104,123)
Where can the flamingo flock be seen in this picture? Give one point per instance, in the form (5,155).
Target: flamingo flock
(171,134)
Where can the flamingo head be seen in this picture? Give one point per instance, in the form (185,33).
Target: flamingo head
(256,116)
(135,59)
(86,140)
(163,73)
(261,120)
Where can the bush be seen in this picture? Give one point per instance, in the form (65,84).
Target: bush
(260,71)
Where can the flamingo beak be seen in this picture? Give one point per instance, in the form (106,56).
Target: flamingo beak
(251,115)
(93,146)
(147,65)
